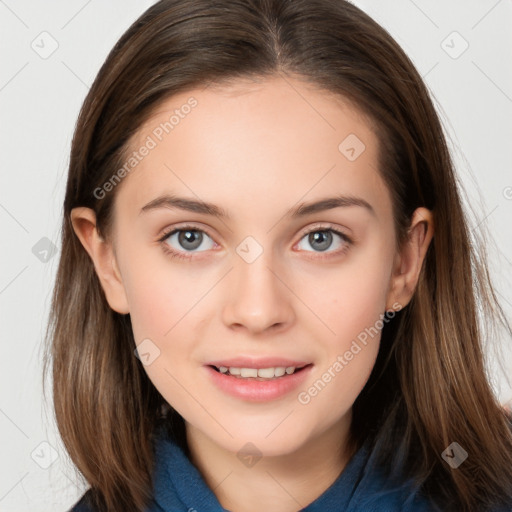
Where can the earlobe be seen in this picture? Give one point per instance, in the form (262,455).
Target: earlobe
(102,255)
(409,261)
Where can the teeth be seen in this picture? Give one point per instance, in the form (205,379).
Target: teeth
(264,373)
(248,372)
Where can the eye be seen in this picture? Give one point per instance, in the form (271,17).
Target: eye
(186,239)
(184,242)
(321,239)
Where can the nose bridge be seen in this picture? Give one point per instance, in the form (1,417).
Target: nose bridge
(257,300)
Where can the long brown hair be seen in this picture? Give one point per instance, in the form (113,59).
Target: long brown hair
(429,385)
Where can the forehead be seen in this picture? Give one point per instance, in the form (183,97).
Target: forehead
(274,141)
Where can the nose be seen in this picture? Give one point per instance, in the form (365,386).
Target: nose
(258,298)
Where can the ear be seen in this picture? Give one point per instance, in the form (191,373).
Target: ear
(409,260)
(103,257)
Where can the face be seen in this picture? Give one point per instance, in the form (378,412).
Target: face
(261,273)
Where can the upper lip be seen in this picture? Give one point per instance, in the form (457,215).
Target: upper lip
(258,362)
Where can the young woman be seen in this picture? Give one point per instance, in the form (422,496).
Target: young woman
(267,296)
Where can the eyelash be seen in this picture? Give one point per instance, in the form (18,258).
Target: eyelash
(188,256)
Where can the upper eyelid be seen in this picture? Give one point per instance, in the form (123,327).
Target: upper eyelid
(323,227)
(166,233)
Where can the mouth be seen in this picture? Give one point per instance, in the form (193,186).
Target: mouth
(259,374)
(261,384)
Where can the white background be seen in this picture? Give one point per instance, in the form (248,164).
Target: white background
(39,103)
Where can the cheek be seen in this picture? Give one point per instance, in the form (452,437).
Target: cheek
(347,298)
(355,313)
(160,294)
(351,303)
(164,309)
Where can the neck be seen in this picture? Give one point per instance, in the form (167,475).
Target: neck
(283,483)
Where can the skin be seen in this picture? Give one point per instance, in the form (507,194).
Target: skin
(257,150)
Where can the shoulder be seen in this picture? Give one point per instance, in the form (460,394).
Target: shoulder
(379,496)
(84,505)
(377,491)
(381,490)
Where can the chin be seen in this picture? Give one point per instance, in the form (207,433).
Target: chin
(259,441)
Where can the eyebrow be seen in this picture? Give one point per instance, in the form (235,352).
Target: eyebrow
(304,209)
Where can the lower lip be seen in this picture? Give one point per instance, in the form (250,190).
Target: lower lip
(258,390)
